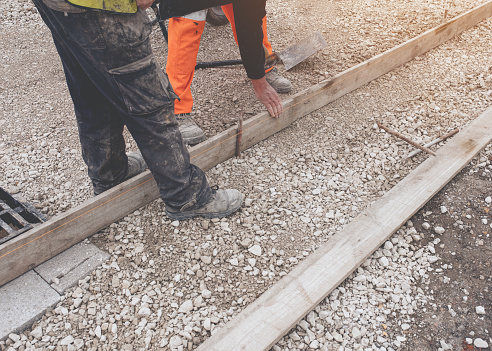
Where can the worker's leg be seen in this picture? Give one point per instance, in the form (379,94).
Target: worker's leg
(277,81)
(184,41)
(100,128)
(183,44)
(228,11)
(111,55)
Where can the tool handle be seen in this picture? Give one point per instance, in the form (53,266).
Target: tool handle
(160,21)
(212,64)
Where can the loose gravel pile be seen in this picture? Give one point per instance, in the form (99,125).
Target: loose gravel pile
(169,284)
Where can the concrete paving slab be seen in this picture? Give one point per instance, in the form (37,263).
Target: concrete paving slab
(23,301)
(67,268)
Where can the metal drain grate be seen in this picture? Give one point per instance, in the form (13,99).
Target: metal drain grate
(16,217)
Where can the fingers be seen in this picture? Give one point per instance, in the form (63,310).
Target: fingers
(274,110)
(268,97)
(277,108)
(271,110)
(274,105)
(272,102)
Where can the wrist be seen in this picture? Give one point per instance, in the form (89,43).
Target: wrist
(260,82)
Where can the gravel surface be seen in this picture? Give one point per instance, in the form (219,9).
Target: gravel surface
(170,284)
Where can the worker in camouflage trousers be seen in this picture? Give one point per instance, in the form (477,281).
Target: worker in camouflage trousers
(183,43)
(114,80)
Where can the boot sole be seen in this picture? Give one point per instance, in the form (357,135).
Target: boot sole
(283,91)
(194,141)
(193,214)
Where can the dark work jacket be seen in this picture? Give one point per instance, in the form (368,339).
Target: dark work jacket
(248,15)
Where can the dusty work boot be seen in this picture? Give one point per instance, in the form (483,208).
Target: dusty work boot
(221,204)
(192,134)
(281,84)
(136,165)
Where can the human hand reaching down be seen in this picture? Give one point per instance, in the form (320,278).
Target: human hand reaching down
(267,96)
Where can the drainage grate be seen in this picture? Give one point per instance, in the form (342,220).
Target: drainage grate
(16,217)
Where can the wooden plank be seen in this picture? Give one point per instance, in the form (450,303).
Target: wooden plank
(47,240)
(281,307)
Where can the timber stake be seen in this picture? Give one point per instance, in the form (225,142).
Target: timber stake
(404,138)
(239,135)
(434,142)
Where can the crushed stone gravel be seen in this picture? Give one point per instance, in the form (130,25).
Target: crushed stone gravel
(171,284)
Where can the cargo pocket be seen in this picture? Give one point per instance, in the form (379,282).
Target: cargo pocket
(144,87)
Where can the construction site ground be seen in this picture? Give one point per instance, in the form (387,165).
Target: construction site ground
(168,285)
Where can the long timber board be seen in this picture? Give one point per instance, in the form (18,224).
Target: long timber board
(63,231)
(281,307)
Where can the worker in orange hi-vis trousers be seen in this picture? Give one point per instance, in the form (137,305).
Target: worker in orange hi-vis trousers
(184,40)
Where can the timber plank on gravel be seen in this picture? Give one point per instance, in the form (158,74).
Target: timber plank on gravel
(279,309)
(49,239)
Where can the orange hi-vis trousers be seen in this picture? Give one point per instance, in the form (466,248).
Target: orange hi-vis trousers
(183,43)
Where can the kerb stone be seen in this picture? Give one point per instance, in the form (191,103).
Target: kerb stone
(23,301)
(65,269)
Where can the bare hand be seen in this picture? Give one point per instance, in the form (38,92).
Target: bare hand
(267,96)
(144,4)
